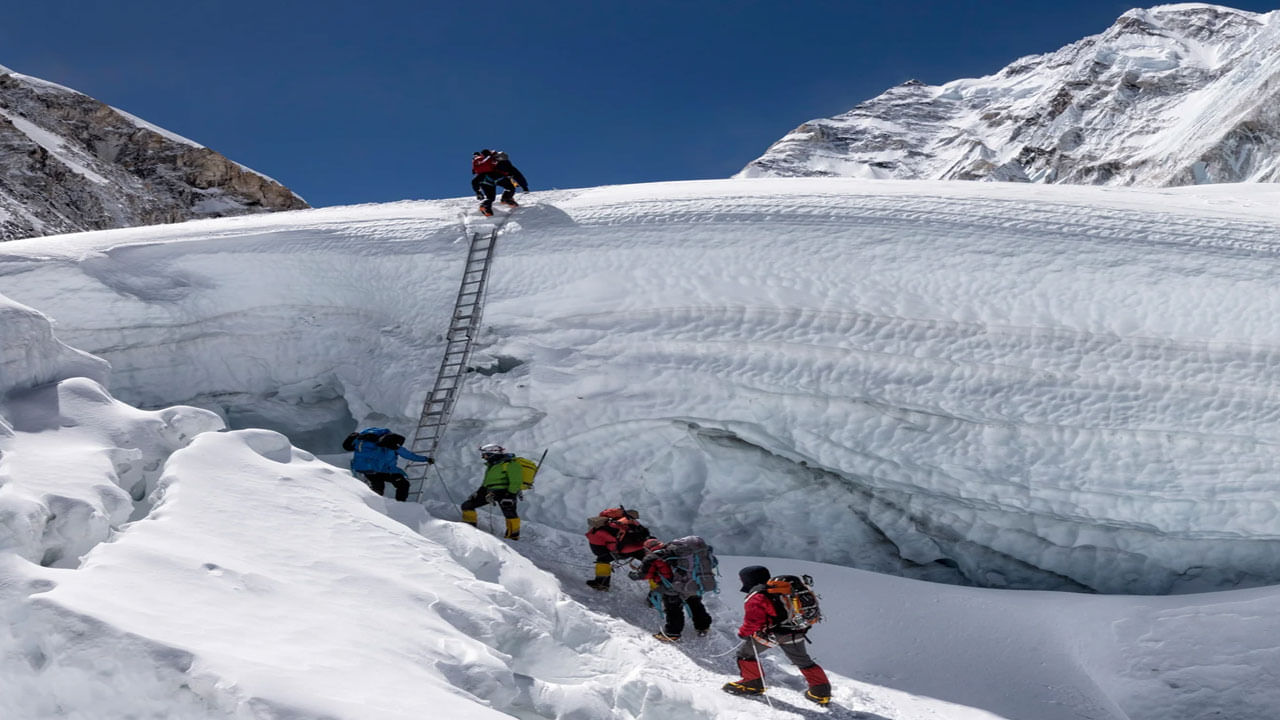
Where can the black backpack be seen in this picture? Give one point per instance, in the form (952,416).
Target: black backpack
(381,437)
(795,600)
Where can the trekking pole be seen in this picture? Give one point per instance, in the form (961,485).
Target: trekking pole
(539,465)
(760,667)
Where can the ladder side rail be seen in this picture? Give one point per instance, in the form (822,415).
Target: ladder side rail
(473,331)
(435,419)
(443,374)
(476,311)
(452,345)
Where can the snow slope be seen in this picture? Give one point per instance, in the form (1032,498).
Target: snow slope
(1055,388)
(252,580)
(1000,385)
(228,575)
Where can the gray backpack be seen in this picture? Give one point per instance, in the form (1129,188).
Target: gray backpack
(693,566)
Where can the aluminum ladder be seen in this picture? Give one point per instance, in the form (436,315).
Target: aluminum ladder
(464,327)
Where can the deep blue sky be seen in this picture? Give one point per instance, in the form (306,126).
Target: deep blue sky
(384,100)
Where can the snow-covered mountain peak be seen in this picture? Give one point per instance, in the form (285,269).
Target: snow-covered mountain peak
(1171,95)
(69,162)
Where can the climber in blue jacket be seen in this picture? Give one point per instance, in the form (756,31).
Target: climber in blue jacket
(376,450)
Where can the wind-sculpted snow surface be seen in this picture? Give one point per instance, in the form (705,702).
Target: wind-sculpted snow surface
(1002,385)
(94,464)
(31,356)
(265,583)
(185,593)
(107,455)
(149,573)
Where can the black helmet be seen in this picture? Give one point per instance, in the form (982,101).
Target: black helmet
(753,575)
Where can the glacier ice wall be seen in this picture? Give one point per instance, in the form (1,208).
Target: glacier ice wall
(1008,386)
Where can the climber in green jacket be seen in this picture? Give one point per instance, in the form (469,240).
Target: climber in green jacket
(503,481)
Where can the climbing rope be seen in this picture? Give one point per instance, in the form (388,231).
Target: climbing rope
(726,652)
(444,485)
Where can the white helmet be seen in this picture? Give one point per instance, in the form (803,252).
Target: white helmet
(492,449)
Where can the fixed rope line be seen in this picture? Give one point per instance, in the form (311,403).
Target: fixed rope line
(445,486)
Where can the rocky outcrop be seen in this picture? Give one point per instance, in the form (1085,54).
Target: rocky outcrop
(1175,95)
(70,163)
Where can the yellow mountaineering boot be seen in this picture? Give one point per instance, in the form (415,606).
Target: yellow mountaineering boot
(469,517)
(752,682)
(513,529)
(603,573)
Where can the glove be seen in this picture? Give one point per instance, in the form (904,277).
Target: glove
(635,575)
(431,461)
(479,195)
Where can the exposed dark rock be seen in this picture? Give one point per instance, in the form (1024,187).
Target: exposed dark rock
(70,163)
